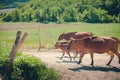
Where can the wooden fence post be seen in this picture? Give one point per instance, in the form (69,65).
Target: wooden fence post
(18,35)
(17,45)
(39,38)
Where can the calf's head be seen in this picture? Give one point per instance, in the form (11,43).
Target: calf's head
(71,44)
(56,45)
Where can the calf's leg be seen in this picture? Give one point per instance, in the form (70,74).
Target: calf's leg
(62,55)
(69,56)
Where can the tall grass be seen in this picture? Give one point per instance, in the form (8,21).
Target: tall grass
(49,34)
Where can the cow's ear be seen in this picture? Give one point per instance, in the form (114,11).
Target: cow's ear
(57,43)
(63,34)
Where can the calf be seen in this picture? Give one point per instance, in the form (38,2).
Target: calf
(63,47)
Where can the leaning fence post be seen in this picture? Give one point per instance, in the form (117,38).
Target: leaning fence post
(18,35)
(17,45)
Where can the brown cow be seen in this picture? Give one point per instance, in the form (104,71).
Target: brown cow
(63,47)
(93,45)
(75,35)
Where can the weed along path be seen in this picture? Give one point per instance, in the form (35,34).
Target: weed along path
(72,71)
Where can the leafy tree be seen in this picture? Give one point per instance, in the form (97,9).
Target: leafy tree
(15,16)
(45,11)
(7,18)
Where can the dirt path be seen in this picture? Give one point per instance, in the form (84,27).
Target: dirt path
(72,71)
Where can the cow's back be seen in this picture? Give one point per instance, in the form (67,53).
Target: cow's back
(80,35)
(75,35)
(101,45)
(94,45)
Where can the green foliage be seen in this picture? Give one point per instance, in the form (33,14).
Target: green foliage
(112,6)
(3,54)
(7,18)
(59,11)
(2,15)
(25,67)
(31,68)
(93,15)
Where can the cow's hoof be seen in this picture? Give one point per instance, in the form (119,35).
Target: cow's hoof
(73,58)
(79,62)
(91,64)
(108,64)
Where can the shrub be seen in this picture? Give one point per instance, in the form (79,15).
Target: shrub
(3,54)
(7,18)
(25,67)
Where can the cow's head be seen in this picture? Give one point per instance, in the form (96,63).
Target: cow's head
(71,43)
(61,36)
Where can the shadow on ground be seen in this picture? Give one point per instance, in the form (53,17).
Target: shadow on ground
(96,68)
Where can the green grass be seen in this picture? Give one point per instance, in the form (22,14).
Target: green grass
(49,34)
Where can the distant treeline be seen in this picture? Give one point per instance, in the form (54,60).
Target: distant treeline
(45,11)
(11,1)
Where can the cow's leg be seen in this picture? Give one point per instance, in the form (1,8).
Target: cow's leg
(62,55)
(117,54)
(80,59)
(111,58)
(75,56)
(91,54)
(69,56)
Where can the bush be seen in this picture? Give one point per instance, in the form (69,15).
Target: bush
(26,67)
(3,54)
(7,18)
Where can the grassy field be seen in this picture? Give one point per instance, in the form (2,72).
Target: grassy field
(49,33)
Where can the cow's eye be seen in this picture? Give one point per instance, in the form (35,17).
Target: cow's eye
(67,47)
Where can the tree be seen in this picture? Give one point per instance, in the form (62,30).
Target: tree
(15,16)
(45,11)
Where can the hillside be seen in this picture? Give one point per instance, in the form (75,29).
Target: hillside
(59,11)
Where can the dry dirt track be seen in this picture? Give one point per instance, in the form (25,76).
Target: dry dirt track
(72,71)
